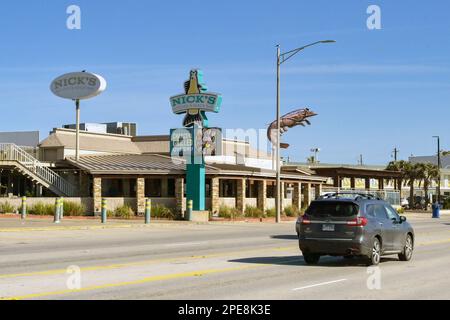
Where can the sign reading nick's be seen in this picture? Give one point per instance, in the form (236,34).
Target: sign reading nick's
(196,101)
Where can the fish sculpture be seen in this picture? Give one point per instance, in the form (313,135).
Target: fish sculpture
(295,118)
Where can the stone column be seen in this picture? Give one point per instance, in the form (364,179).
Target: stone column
(297,196)
(307,194)
(318,190)
(262,195)
(97,193)
(140,196)
(179,196)
(215,196)
(240,195)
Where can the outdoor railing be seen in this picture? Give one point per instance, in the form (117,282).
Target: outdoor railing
(11,152)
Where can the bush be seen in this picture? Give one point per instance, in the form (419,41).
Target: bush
(162,212)
(400,210)
(271,213)
(41,209)
(6,207)
(253,212)
(228,212)
(291,211)
(73,209)
(447,204)
(124,212)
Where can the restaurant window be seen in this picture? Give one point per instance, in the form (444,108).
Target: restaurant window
(123,188)
(251,189)
(153,188)
(227,188)
(171,188)
(271,189)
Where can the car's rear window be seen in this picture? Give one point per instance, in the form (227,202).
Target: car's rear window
(333,209)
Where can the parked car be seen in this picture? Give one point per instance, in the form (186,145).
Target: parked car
(354,225)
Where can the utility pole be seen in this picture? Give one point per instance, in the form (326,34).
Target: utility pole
(396,151)
(361,160)
(438,189)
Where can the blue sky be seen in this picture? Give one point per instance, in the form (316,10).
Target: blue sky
(373,89)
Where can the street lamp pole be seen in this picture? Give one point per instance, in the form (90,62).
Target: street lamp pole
(281,58)
(77,130)
(438,189)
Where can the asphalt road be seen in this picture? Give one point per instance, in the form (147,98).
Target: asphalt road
(219,261)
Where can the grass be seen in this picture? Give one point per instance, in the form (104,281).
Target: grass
(228,212)
(73,209)
(291,211)
(124,212)
(6,207)
(41,209)
(254,212)
(160,211)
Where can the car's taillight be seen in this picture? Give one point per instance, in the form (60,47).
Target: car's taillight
(306,220)
(358,222)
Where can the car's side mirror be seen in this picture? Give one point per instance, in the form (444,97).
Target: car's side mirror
(402,219)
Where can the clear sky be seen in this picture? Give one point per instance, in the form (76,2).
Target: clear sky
(373,89)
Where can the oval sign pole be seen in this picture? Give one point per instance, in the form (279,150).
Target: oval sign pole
(78,86)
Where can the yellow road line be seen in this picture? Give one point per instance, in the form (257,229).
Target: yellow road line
(145,262)
(142,281)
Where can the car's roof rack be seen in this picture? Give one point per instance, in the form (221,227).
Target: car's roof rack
(345,195)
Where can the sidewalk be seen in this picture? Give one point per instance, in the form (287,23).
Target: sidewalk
(13,223)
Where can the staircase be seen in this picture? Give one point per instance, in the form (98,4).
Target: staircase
(12,155)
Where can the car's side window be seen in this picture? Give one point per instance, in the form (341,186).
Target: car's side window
(370,210)
(392,214)
(380,212)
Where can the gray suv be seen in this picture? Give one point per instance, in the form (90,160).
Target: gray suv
(354,225)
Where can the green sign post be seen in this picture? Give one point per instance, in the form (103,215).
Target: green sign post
(194,141)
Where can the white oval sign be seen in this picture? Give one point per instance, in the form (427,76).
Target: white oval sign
(78,85)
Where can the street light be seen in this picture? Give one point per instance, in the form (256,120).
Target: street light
(438,189)
(315,151)
(282,58)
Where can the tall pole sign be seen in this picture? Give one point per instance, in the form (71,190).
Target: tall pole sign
(78,86)
(196,140)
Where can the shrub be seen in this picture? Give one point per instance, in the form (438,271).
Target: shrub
(41,209)
(6,207)
(73,209)
(162,212)
(400,210)
(291,211)
(271,213)
(228,212)
(124,212)
(253,212)
(447,204)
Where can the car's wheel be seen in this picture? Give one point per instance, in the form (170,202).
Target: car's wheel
(408,250)
(311,258)
(375,256)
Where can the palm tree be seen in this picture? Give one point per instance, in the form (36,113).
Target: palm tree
(410,173)
(431,173)
(311,160)
(399,166)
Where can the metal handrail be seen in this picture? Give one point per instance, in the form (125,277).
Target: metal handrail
(11,152)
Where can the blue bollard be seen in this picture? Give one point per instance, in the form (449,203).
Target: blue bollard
(190,205)
(104,210)
(148,211)
(24,208)
(57,209)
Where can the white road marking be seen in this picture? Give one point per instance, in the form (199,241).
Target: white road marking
(183,244)
(319,284)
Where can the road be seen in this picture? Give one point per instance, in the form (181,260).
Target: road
(217,261)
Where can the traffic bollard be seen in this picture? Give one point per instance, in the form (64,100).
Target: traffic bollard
(104,210)
(148,211)
(190,205)
(24,208)
(57,217)
(61,208)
